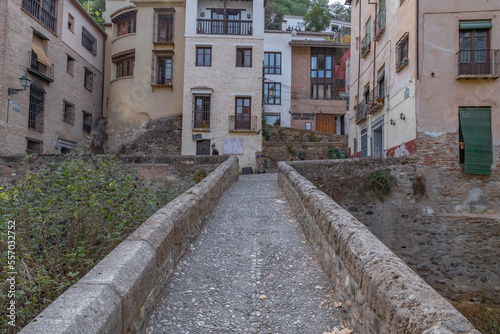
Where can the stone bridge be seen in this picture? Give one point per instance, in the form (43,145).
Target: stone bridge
(265,253)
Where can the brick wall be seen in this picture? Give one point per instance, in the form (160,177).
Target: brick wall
(18,35)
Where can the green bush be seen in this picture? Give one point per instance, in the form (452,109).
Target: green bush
(68,217)
(381,182)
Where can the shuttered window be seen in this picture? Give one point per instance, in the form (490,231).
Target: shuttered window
(475,126)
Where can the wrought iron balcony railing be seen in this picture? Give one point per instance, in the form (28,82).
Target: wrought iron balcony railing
(361,112)
(224,27)
(365,45)
(243,122)
(478,63)
(44,72)
(379,24)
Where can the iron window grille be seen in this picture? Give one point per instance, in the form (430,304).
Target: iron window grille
(35,115)
(402,52)
(89,79)
(87,122)
(201,112)
(163,26)
(42,10)
(204,56)
(272,62)
(243,57)
(69,112)
(162,70)
(89,41)
(34,146)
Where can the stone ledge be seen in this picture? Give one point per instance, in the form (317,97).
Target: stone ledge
(118,294)
(380,292)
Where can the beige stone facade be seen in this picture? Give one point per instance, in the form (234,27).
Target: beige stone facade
(66,85)
(153,40)
(223,89)
(439,62)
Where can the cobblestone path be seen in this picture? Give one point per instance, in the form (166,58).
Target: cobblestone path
(250,271)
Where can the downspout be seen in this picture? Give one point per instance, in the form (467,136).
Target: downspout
(416,34)
(359,70)
(103,74)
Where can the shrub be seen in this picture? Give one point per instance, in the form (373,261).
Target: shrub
(68,216)
(380,182)
(290,150)
(200,175)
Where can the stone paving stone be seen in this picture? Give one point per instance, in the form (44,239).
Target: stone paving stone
(250,271)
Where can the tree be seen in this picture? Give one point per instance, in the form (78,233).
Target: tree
(318,18)
(97,7)
(340,11)
(277,9)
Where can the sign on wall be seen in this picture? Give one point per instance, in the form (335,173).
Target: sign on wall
(232,146)
(16,106)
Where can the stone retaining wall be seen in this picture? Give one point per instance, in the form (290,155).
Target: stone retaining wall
(379,291)
(118,294)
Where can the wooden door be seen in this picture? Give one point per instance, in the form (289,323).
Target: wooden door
(325,123)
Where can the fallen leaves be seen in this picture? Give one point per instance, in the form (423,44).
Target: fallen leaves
(262,297)
(337,304)
(318,287)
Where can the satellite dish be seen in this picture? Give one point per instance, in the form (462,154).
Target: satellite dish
(294,33)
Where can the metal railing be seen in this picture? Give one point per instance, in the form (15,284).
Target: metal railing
(361,112)
(478,62)
(45,72)
(379,24)
(376,97)
(243,122)
(365,45)
(35,8)
(224,27)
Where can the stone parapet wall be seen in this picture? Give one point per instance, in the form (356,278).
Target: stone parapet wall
(378,290)
(289,151)
(118,294)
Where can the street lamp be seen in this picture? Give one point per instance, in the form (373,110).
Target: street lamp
(25,83)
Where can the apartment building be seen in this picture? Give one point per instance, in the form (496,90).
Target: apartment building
(144,71)
(304,79)
(222,101)
(423,80)
(56,49)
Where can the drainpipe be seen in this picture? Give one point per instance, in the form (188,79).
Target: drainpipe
(416,34)
(359,69)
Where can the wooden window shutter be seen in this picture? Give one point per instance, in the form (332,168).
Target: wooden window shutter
(476,129)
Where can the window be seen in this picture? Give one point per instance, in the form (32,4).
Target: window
(40,63)
(34,146)
(89,41)
(242,114)
(269,98)
(475,134)
(273,119)
(402,52)
(364,144)
(201,112)
(69,112)
(35,116)
(70,65)
(87,122)
(125,67)
(71,23)
(475,56)
(366,94)
(203,56)
(163,70)
(272,62)
(243,57)
(66,146)
(89,79)
(164,26)
(380,89)
(322,76)
(365,42)
(126,24)
(42,10)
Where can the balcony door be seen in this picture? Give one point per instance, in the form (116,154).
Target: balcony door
(232,20)
(243,113)
(474,55)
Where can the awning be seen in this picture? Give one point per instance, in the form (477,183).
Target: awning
(466,25)
(37,47)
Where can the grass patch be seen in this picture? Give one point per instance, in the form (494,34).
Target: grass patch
(485,316)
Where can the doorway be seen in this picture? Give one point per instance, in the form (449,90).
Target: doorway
(203,147)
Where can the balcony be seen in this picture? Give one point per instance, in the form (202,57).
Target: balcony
(480,64)
(39,12)
(361,112)
(42,71)
(365,45)
(243,123)
(379,24)
(377,96)
(224,27)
